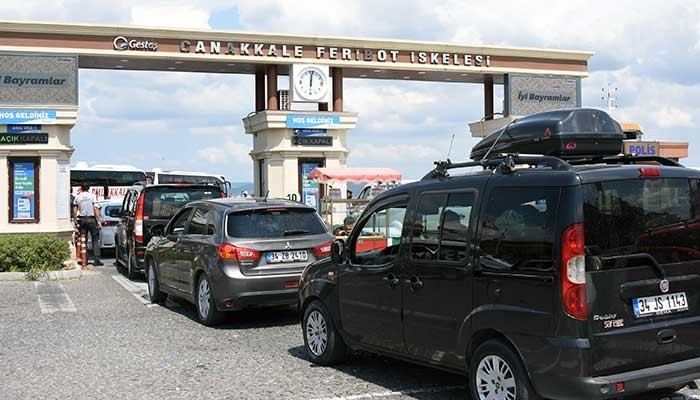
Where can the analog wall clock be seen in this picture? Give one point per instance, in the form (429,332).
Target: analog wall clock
(310,83)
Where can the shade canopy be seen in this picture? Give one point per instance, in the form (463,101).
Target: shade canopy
(325,175)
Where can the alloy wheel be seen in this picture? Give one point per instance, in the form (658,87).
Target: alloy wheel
(203,298)
(495,379)
(316,333)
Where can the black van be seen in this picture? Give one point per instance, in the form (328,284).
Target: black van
(145,206)
(538,276)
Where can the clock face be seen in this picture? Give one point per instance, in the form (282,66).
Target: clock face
(311,83)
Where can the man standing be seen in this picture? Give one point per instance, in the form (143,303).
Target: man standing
(87,217)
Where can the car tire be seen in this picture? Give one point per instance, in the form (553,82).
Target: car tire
(117,258)
(131,266)
(154,293)
(205,304)
(322,342)
(496,370)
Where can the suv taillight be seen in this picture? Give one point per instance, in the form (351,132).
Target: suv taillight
(243,255)
(573,272)
(138,222)
(323,250)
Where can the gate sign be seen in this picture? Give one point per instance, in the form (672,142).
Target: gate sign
(313,121)
(27,117)
(23,196)
(642,148)
(528,94)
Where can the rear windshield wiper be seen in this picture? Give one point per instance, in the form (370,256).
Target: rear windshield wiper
(621,261)
(291,232)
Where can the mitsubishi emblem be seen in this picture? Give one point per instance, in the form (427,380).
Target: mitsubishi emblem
(289,246)
(663,285)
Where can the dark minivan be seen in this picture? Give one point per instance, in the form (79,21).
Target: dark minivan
(565,280)
(145,206)
(229,254)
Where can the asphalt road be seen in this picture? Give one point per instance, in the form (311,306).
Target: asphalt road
(98,338)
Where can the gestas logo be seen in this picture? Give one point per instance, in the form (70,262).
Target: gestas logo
(121,43)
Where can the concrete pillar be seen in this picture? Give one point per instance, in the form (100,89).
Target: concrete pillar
(488,98)
(272,101)
(259,91)
(337,89)
(4,189)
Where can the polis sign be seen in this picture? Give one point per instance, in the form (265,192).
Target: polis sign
(642,148)
(332,53)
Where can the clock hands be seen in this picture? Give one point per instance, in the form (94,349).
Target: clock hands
(311,81)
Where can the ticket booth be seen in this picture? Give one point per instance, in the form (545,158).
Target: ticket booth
(38,108)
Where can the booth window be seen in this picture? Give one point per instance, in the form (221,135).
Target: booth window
(24,190)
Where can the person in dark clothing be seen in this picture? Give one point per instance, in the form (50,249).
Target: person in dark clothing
(86,214)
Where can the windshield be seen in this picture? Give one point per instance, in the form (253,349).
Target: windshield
(278,223)
(164,202)
(655,216)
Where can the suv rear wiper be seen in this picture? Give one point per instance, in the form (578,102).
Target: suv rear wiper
(291,232)
(622,261)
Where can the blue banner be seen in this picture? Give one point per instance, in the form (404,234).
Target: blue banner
(311,132)
(27,117)
(23,128)
(313,121)
(23,196)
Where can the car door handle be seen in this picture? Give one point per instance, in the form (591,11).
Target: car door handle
(391,280)
(414,283)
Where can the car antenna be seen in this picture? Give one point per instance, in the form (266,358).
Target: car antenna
(266,194)
(503,130)
(449,149)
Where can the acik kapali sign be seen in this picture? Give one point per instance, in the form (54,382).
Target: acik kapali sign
(272,50)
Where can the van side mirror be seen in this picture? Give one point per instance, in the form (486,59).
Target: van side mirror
(338,255)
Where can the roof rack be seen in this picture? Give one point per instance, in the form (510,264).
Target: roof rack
(505,163)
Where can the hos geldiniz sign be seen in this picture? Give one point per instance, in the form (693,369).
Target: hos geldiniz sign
(300,51)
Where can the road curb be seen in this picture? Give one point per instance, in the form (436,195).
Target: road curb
(50,275)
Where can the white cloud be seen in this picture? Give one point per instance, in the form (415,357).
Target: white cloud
(231,151)
(673,117)
(392,153)
(179,16)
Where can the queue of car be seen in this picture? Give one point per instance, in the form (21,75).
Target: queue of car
(566,275)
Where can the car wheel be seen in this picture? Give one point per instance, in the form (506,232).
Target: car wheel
(154,293)
(323,343)
(496,372)
(207,313)
(118,259)
(131,267)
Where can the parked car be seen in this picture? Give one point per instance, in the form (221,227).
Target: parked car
(228,254)
(110,212)
(145,206)
(566,281)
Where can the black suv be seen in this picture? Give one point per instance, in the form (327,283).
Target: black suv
(567,279)
(145,206)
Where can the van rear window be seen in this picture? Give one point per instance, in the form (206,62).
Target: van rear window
(274,223)
(655,216)
(164,202)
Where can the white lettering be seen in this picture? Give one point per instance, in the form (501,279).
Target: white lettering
(245,51)
(185,46)
(434,58)
(258,49)
(455,57)
(381,55)
(347,54)
(320,51)
(215,47)
(445,58)
(230,48)
(478,60)
(422,57)
(272,51)
(394,55)
(285,53)
(298,51)
(200,47)
(467,59)
(368,55)
(333,53)
(488,61)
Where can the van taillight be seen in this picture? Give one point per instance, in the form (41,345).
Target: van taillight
(650,172)
(573,272)
(323,250)
(138,222)
(227,251)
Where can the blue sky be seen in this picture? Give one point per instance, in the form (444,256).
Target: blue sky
(193,121)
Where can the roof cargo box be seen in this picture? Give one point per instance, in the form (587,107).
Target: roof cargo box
(562,133)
